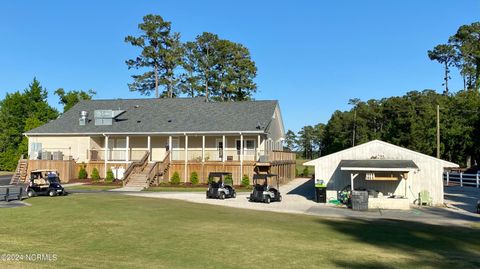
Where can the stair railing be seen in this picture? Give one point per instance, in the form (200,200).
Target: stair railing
(133,165)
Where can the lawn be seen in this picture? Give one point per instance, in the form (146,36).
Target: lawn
(5,173)
(89,187)
(117,231)
(300,167)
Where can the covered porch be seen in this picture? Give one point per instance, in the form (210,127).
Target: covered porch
(385,180)
(186,148)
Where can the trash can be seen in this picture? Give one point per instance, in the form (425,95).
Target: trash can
(360,200)
(320,191)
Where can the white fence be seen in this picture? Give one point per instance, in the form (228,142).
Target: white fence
(472,180)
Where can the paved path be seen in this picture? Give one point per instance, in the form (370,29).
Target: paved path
(5,180)
(298,198)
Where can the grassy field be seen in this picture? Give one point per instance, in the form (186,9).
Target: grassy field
(5,173)
(300,167)
(116,231)
(93,187)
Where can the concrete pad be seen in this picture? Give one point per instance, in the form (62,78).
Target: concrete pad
(12,204)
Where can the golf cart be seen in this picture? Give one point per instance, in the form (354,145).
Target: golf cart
(218,188)
(44,182)
(262,191)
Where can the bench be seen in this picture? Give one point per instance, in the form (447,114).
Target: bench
(11,193)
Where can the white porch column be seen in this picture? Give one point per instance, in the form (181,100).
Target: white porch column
(170,147)
(127,148)
(241,155)
(149,148)
(203,149)
(186,158)
(223,148)
(106,155)
(258,147)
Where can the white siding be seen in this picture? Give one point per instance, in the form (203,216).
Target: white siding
(428,177)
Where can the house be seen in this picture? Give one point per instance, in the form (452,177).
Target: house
(157,137)
(378,166)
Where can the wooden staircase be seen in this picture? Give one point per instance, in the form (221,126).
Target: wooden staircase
(144,174)
(21,172)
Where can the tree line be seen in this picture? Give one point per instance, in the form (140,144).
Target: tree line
(22,111)
(410,120)
(208,66)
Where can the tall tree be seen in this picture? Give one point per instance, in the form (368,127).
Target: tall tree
(467,42)
(162,51)
(223,68)
(20,112)
(290,140)
(70,98)
(447,55)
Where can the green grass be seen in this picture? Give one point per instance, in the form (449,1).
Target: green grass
(5,173)
(300,167)
(117,231)
(93,187)
(188,189)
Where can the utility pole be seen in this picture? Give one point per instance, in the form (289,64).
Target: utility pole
(438,131)
(354,126)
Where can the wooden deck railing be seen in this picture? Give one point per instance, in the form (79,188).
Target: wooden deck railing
(281,156)
(133,166)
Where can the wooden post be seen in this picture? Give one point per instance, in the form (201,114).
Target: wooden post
(448,178)
(461,179)
(352,177)
(477,181)
(127,148)
(438,131)
(186,158)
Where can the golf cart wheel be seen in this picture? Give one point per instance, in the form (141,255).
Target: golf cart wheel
(52,193)
(221,196)
(234,195)
(279,198)
(208,196)
(267,200)
(31,193)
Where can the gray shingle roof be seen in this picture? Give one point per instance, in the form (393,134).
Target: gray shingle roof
(382,164)
(166,116)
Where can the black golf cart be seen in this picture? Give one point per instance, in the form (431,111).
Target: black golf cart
(218,188)
(262,191)
(44,182)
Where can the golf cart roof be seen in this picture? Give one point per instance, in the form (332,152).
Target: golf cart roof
(218,174)
(263,176)
(44,170)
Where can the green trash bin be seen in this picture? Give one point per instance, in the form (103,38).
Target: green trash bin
(320,191)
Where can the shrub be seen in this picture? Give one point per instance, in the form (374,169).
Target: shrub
(296,172)
(194,178)
(210,179)
(110,177)
(95,175)
(82,174)
(228,180)
(305,172)
(245,181)
(175,178)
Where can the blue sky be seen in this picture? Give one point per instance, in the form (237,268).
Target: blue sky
(313,56)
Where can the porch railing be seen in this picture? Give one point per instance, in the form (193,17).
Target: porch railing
(216,155)
(116,154)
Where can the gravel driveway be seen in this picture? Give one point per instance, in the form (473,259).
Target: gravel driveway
(298,199)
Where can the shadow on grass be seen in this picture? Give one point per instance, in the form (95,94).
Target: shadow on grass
(425,245)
